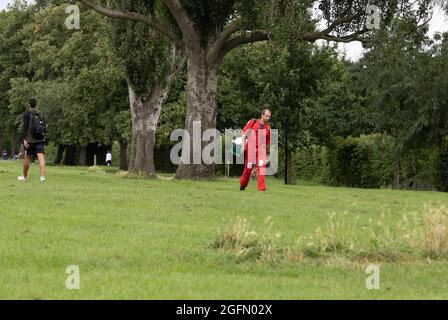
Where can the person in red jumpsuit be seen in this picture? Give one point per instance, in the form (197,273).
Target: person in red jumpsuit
(257,140)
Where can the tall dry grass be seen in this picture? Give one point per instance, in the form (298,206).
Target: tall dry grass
(415,235)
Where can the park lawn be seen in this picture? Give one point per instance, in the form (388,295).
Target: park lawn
(151,239)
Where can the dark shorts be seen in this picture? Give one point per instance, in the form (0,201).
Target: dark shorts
(35,148)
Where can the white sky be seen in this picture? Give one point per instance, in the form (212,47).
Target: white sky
(439,23)
(3,4)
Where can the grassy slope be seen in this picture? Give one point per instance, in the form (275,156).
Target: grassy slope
(149,239)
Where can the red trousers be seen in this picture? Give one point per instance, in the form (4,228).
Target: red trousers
(261,171)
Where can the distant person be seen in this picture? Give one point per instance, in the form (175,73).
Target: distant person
(5,155)
(34,131)
(257,140)
(108,159)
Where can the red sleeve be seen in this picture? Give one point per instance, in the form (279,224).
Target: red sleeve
(247,126)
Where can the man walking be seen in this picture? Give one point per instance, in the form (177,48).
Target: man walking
(256,140)
(34,130)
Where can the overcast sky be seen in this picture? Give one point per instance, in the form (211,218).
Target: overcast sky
(439,23)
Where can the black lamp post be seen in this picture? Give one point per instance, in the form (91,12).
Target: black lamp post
(286,150)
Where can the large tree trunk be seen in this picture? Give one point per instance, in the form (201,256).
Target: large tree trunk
(123,154)
(201,106)
(145,118)
(143,135)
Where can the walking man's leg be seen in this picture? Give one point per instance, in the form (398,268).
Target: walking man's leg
(41,157)
(245,177)
(261,178)
(26,165)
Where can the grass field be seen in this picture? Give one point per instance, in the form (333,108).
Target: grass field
(151,239)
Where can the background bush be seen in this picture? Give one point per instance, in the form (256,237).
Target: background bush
(367,161)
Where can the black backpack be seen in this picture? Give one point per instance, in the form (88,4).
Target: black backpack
(38,126)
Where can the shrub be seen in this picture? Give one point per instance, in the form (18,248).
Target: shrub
(248,244)
(414,236)
(311,163)
(441,167)
(432,235)
(329,240)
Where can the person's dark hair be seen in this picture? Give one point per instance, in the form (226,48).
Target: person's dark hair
(32,102)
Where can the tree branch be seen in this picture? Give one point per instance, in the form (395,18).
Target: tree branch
(186,25)
(342,20)
(260,35)
(178,58)
(318,35)
(254,36)
(228,30)
(355,36)
(223,46)
(133,16)
(217,45)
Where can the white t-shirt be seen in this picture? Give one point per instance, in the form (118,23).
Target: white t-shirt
(109,157)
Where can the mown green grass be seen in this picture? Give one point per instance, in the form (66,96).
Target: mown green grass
(150,239)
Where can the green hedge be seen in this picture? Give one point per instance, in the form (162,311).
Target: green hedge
(368,162)
(365,161)
(440,172)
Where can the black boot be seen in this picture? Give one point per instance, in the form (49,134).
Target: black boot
(242,188)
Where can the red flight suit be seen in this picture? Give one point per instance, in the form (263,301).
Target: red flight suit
(258,137)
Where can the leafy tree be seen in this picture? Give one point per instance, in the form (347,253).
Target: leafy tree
(12,57)
(211,29)
(405,81)
(73,75)
(310,86)
(150,64)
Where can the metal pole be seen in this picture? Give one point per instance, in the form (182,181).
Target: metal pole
(286,150)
